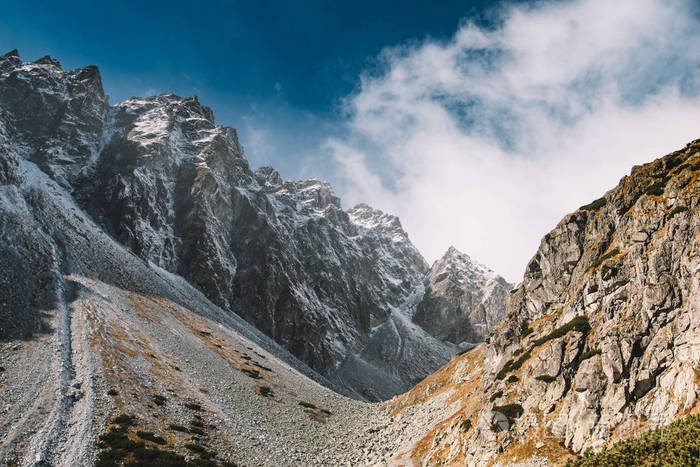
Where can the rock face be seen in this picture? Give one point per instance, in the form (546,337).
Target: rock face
(463,299)
(600,341)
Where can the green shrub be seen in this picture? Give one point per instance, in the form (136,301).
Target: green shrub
(513,379)
(159,400)
(595,205)
(112,392)
(197,423)
(308,405)
(124,419)
(579,324)
(518,352)
(193,406)
(197,431)
(546,378)
(588,354)
(179,428)
(255,374)
(496,395)
(677,210)
(466,425)
(511,411)
(149,436)
(615,251)
(527,332)
(675,444)
(657,188)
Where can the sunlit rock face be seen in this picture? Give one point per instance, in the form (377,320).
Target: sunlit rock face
(600,341)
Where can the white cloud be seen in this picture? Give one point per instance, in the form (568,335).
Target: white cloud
(487,140)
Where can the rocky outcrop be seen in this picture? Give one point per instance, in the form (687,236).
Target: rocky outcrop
(599,342)
(161,177)
(462,301)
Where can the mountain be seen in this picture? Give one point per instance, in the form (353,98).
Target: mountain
(462,299)
(599,342)
(164,180)
(161,178)
(453,307)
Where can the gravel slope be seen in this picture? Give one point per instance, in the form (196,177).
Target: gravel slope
(120,331)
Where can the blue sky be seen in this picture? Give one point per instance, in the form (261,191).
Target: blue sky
(274,66)
(479,124)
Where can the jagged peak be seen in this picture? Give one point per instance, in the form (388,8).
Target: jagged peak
(11,53)
(48,60)
(368,217)
(455,262)
(266,175)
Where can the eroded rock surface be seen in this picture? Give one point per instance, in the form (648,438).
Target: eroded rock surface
(599,342)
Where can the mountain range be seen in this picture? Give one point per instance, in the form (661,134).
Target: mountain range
(162,302)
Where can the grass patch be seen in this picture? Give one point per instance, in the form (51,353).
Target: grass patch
(657,188)
(615,251)
(546,378)
(180,428)
(511,411)
(675,444)
(124,420)
(159,400)
(588,354)
(579,324)
(677,210)
(149,436)
(465,425)
(264,391)
(595,205)
(255,374)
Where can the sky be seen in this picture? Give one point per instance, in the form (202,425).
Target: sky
(479,124)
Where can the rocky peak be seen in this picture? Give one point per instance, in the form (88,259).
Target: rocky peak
(268,176)
(463,299)
(369,218)
(57,116)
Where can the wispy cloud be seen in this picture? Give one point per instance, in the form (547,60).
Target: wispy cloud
(485,141)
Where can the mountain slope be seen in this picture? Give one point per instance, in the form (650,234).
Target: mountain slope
(600,341)
(164,180)
(91,331)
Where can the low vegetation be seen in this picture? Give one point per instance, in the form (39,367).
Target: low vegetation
(595,205)
(657,188)
(546,378)
(614,252)
(675,444)
(677,210)
(159,400)
(578,324)
(496,395)
(588,354)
